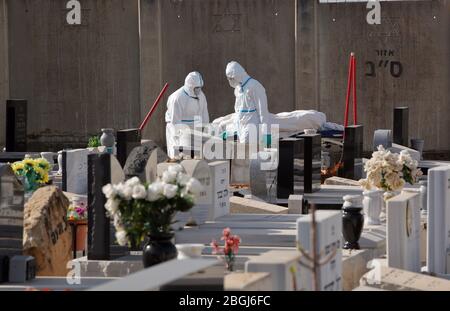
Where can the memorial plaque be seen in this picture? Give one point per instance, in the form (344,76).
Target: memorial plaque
(142,162)
(16,125)
(74,172)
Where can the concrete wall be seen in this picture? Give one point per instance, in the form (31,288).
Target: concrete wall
(77,78)
(415,36)
(204,35)
(4,86)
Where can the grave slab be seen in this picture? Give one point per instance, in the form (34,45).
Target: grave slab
(246,206)
(257,281)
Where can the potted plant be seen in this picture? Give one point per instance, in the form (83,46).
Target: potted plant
(140,210)
(388,171)
(94,143)
(33,173)
(229,250)
(77,217)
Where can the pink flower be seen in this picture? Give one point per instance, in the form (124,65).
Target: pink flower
(215,246)
(226,233)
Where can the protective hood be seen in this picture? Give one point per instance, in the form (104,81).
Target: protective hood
(236,71)
(193,80)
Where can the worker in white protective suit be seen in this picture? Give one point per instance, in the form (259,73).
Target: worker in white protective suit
(251,103)
(185,106)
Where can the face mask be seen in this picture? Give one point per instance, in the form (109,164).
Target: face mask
(197,91)
(233,82)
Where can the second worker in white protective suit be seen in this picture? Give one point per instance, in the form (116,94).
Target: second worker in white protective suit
(251,102)
(185,106)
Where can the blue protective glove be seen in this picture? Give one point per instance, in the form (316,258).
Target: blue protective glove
(267,140)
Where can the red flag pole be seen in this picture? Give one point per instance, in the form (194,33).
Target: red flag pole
(349,83)
(355,112)
(155,104)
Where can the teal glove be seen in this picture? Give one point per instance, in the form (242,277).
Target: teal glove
(224,135)
(267,140)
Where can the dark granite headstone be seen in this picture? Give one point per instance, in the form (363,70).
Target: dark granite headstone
(11,212)
(353,149)
(142,162)
(127,140)
(99,174)
(16,125)
(299,165)
(401,126)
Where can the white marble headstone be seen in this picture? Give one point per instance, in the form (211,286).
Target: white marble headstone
(403,232)
(199,170)
(328,237)
(438,239)
(76,171)
(220,180)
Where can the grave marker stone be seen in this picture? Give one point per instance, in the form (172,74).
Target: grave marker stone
(403,232)
(263,173)
(383,138)
(220,180)
(199,170)
(16,125)
(401,126)
(142,163)
(127,140)
(74,171)
(353,148)
(328,237)
(438,239)
(11,212)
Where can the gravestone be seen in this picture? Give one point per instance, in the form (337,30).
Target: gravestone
(328,238)
(74,171)
(263,173)
(199,170)
(47,235)
(16,125)
(353,148)
(102,170)
(127,140)
(299,165)
(11,212)
(401,126)
(220,181)
(383,138)
(438,239)
(22,269)
(142,163)
(403,232)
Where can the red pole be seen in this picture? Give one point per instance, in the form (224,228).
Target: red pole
(355,112)
(155,104)
(349,83)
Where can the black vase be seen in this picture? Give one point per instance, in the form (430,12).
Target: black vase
(159,248)
(352,225)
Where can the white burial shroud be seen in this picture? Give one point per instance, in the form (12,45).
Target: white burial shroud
(293,121)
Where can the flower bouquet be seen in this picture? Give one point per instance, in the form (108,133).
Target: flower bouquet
(390,171)
(139,209)
(230,249)
(33,171)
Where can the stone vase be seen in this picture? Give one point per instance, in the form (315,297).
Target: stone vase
(372,204)
(352,221)
(108,140)
(158,249)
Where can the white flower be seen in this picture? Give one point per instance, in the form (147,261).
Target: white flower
(169,177)
(183,179)
(118,221)
(134,181)
(139,192)
(170,190)
(127,192)
(175,168)
(155,191)
(109,191)
(121,237)
(194,186)
(112,206)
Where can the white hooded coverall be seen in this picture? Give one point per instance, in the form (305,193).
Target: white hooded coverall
(251,101)
(185,107)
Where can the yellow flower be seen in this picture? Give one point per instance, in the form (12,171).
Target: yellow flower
(29,162)
(16,166)
(43,163)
